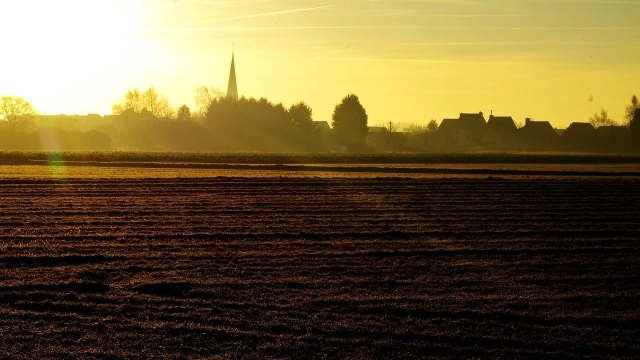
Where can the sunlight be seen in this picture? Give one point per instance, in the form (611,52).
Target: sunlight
(63,44)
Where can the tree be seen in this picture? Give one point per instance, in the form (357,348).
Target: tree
(634,129)
(150,100)
(157,104)
(630,110)
(131,100)
(205,95)
(16,112)
(432,125)
(350,123)
(301,116)
(184,113)
(601,119)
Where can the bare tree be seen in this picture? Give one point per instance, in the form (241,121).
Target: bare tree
(413,128)
(601,119)
(150,100)
(131,100)
(157,104)
(205,95)
(387,138)
(16,112)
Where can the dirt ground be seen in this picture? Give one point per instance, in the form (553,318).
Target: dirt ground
(134,262)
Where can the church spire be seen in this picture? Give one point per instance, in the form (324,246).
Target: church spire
(232,89)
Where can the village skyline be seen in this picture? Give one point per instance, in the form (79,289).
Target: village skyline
(407,61)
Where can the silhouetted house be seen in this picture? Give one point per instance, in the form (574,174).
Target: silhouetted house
(445,134)
(612,138)
(470,128)
(579,136)
(419,140)
(324,133)
(499,130)
(380,138)
(464,132)
(71,122)
(536,135)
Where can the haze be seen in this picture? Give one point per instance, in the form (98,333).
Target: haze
(408,61)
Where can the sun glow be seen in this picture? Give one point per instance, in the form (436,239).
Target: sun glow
(61,47)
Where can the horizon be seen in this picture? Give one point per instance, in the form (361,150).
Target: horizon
(407,61)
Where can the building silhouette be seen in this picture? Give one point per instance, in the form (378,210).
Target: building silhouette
(499,130)
(232,88)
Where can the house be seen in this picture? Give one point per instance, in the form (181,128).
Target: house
(579,136)
(445,134)
(465,131)
(499,130)
(71,122)
(380,138)
(325,134)
(470,128)
(536,135)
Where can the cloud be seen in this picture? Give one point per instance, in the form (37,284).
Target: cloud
(282,12)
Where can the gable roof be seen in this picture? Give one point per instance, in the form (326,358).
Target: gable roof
(501,124)
(447,125)
(579,129)
(473,121)
(537,131)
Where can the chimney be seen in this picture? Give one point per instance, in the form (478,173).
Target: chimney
(527,121)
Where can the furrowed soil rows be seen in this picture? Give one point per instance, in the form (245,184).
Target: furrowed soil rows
(292,267)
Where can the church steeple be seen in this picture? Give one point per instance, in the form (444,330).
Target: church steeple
(232,89)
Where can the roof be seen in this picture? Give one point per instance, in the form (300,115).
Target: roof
(579,130)
(471,120)
(501,124)
(447,125)
(579,135)
(376,129)
(322,125)
(537,130)
(582,127)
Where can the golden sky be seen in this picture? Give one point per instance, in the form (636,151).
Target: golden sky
(408,61)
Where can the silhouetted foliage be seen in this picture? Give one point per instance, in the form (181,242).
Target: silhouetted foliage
(350,123)
(432,125)
(184,113)
(601,119)
(16,112)
(634,129)
(301,116)
(256,125)
(629,111)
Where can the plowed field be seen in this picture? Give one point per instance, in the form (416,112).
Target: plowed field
(146,266)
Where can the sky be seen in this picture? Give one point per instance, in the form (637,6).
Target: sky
(408,61)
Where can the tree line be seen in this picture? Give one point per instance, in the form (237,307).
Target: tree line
(145,120)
